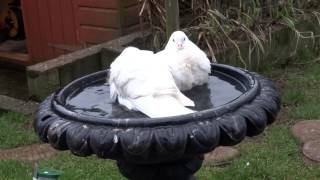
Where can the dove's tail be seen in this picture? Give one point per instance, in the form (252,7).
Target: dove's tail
(184,100)
(160,106)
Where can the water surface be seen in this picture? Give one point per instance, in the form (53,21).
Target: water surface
(94,100)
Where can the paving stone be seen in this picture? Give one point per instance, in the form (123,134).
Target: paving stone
(220,155)
(311,150)
(310,162)
(306,131)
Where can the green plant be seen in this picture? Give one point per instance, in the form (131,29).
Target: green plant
(217,25)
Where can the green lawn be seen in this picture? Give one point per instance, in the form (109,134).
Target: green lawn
(72,166)
(274,154)
(302,93)
(16,130)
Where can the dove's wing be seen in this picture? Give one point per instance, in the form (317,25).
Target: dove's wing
(140,82)
(200,56)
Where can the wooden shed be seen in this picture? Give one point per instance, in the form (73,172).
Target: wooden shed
(55,27)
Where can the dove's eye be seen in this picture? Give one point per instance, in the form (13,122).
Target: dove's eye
(173,40)
(184,39)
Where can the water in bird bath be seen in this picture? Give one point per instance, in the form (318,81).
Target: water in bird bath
(94,99)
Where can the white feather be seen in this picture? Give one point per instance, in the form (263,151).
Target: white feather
(141,82)
(188,64)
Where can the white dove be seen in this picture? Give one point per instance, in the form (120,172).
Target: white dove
(188,64)
(141,82)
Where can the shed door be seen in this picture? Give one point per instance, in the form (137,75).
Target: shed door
(51,27)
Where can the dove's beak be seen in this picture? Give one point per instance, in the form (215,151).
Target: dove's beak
(180,46)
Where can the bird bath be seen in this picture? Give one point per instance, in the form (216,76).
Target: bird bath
(80,117)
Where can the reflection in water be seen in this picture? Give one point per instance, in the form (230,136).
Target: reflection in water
(201,97)
(94,100)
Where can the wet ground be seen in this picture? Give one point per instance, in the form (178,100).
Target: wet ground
(13,83)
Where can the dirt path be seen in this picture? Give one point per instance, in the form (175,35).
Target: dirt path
(30,153)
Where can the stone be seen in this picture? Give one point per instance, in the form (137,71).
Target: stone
(310,162)
(220,155)
(306,131)
(311,150)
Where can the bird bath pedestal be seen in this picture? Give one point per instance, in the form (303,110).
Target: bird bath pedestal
(80,117)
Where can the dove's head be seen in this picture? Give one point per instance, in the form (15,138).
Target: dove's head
(178,40)
(130,49)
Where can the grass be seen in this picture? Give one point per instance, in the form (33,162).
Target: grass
(83,167)
(274,154)
(15,170)
(15,130)
(301,94)
(73,167)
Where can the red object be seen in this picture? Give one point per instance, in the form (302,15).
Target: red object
(52,24)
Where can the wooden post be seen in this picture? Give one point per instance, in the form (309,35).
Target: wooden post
(267,6)
(217,4)
(172,16)
(120,8)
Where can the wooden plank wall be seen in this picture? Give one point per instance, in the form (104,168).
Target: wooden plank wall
(49,23)
(53,25)
(103,20)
